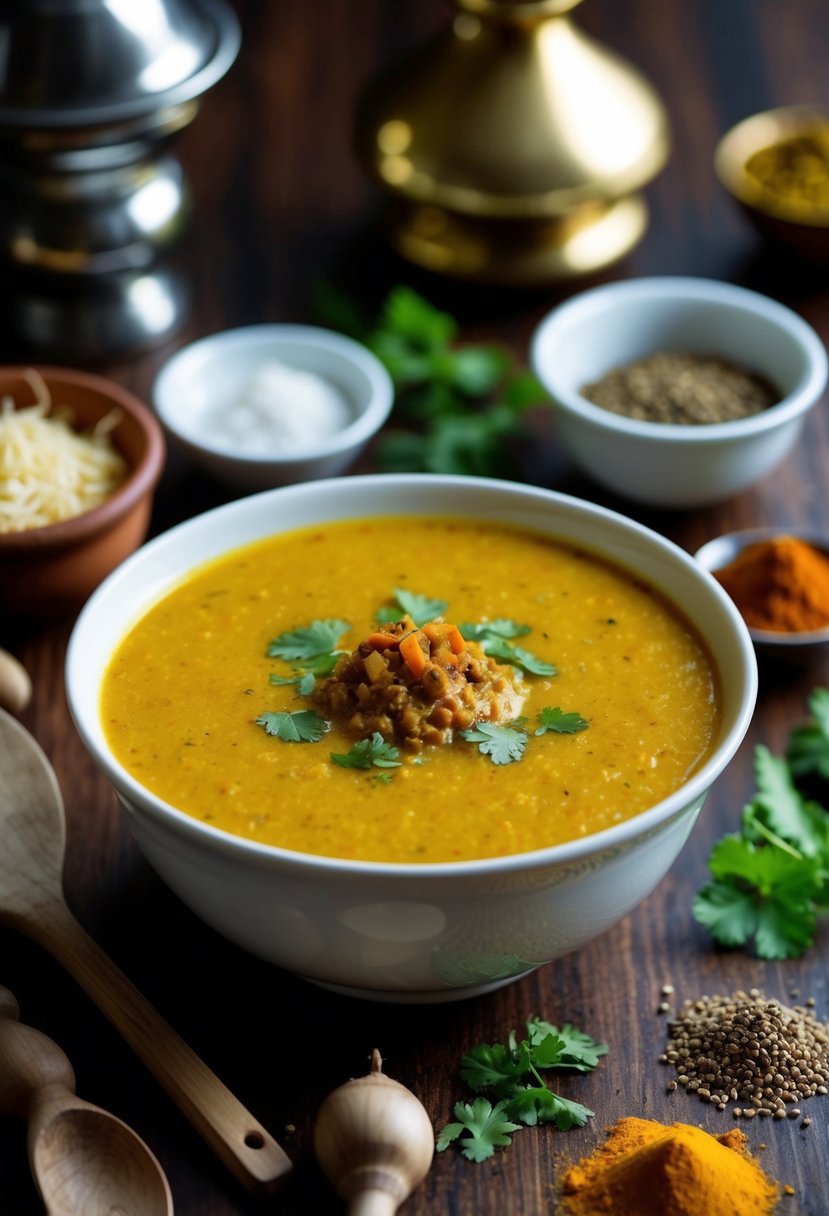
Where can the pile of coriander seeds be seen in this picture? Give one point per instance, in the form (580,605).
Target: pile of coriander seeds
(759,1054)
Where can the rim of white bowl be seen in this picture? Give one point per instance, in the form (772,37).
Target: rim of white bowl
(368,421)
(78,676)
(802,397)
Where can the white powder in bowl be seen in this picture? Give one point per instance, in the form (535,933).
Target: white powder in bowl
(280,409)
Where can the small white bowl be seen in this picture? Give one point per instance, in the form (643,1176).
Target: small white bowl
(214,373)
(664,464)
(400,932)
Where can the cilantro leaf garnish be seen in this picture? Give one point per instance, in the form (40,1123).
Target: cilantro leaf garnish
(511,1072)
(771,879)
(459,406)
(759,891)
(368,753)
(481,1128)
(495,638)
(305,681)
(558,721)
(495,1066)
(808,750)
(503,744)
(421,608)
(499,628)
(537,1104)
(577,1049)
(304,726)
(318,639)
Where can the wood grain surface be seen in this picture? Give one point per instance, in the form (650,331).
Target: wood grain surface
(280,205)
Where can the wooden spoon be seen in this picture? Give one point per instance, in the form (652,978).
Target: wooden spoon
(85,1161)
(15,683)
(33,834)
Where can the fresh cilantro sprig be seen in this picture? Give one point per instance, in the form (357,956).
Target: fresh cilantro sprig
(512,1073)
(304,726)
(770,881)
(556,720)
(503,744)
(368,753)
(313,650)
(460,406)
(421,608)
(496,638)
(309,643)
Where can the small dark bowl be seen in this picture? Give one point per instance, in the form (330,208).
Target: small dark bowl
(50,571)
(801,648)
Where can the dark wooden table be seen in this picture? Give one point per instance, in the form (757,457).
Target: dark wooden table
(281,205)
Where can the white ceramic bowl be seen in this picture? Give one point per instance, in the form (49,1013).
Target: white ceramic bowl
(664,464)
(214,373)
(407,932)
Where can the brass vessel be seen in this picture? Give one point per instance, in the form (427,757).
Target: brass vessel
(513,146)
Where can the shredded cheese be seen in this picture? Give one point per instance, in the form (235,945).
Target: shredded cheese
(48,471)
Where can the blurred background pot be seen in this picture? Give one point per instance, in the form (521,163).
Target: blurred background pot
(513,146)
(92,92)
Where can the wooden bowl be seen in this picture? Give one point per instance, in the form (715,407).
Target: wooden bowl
(50,571)
(796,224)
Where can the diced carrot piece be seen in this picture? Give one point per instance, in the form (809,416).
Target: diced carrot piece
(381,641)
(412,653)
(456,642)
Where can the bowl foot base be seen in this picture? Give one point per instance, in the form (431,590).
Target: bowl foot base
(437,996)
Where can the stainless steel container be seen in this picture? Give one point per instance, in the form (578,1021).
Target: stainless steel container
(92,93)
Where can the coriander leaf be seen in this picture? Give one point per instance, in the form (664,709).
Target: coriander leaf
(540,1105)
(419,607)
(546,1049)
(808,750)
(304,726)
(503,744)
(476,370)
(521,391)
(499,628)
(408,315)
(559,722)
(405,363)
(578,1050)
(481,1128)
(498,648)
(368,753)
(317,639)
(783,808)
(494,1066)
(304,680)
(762,892)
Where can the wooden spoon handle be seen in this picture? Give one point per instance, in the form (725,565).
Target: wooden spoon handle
(230,1130)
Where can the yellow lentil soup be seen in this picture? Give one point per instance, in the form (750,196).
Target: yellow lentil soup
(632,703)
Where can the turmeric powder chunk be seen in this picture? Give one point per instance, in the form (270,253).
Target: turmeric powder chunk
(418,686)
(645,1168)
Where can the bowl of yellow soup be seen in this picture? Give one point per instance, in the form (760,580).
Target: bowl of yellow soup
(411,737)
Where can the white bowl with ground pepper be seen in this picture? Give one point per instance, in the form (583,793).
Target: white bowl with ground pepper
(678,392)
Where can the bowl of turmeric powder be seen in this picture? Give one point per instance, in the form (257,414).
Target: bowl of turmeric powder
(775,164)
(779,581)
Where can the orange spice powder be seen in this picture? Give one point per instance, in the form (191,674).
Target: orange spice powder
(645,1168)
(780,585)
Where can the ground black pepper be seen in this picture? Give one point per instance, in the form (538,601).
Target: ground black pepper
(683,389)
